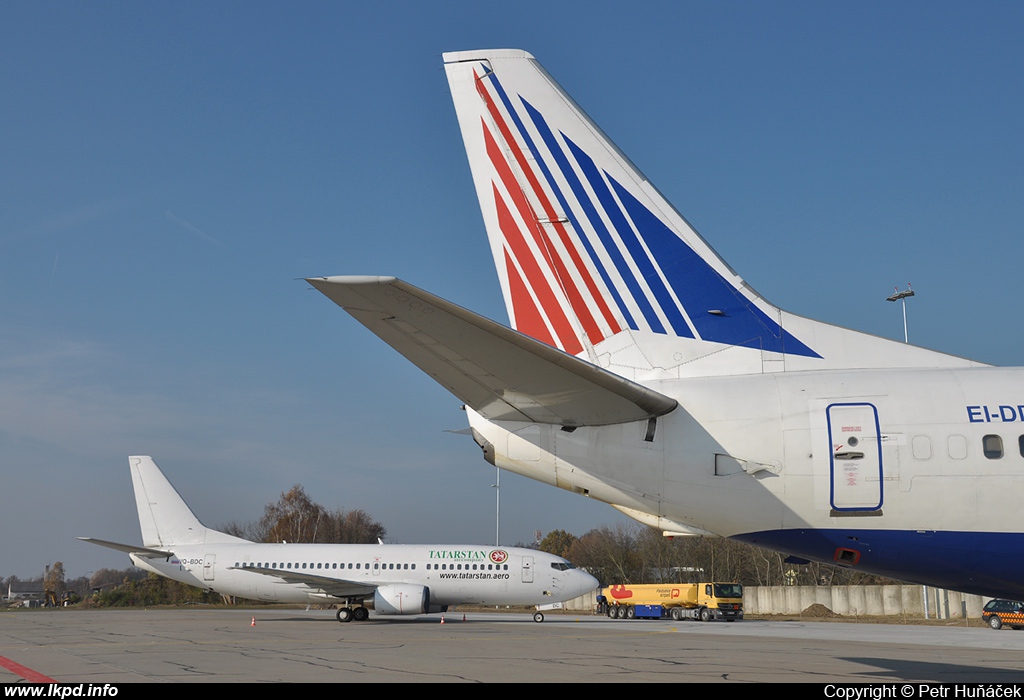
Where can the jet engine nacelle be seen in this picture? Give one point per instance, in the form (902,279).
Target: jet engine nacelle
(402,599)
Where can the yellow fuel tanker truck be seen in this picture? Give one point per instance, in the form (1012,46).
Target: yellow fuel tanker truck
(679,601)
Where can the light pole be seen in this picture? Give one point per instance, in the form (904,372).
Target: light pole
(902,296)
(497,506)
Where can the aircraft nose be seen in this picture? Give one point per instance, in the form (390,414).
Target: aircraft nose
(585,583)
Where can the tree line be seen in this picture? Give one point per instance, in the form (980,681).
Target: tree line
(295,517)
(640,554)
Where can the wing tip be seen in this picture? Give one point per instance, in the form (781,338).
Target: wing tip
(351,280)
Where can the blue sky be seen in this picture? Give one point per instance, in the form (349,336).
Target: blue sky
(170,171)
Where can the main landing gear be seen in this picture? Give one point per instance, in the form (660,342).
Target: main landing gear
(359,614)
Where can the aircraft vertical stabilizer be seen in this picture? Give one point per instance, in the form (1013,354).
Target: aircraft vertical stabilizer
(593,260)
(164,517)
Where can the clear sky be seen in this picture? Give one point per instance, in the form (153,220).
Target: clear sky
(169,171)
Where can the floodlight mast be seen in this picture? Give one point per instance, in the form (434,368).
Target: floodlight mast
(902,297)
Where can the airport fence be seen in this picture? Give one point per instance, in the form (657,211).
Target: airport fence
(848,601)
(853,601)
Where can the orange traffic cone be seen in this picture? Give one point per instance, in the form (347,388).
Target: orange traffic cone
(253,622)
(442,619)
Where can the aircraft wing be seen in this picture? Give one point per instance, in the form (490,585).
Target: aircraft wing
(498,372)
(330,586)
(144,552)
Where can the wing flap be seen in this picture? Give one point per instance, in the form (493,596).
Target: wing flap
(330,586)
(500,373)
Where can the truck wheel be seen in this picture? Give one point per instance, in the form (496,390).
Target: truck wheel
(705,615)
(676,615)
(621,612)
(610,612)
(630,612)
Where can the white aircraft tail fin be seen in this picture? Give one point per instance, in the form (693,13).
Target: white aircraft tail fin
(588,250)
(164,517)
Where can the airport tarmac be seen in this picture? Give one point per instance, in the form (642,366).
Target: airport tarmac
(221,645)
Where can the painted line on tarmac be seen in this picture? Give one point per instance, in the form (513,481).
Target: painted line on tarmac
(24,671)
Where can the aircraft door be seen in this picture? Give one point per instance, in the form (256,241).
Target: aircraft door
(208,567)
(855,457)
(527,569)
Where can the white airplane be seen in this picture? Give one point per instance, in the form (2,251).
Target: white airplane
(642,371)
(389,578)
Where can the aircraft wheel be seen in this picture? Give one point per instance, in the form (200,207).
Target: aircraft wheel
(995,623)
(360,614)
(538,617)
(344,614)
(705,615)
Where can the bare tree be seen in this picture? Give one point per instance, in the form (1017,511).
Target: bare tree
(558,542)
(53,582)
(296,518)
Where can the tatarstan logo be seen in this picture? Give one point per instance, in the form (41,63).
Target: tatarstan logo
(463,554)
(499,556)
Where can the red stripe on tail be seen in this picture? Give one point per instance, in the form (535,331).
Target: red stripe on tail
(579,305)
(535,275)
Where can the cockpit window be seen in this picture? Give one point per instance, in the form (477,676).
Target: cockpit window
(562,566)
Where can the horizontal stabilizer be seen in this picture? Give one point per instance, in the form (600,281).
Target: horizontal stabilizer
(500,373)
(137,550)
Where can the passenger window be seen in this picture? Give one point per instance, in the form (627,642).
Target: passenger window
(922,447)
(956,445)
(992,445)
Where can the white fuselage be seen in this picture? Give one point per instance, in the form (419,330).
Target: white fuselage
(452,573)
(846,467)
